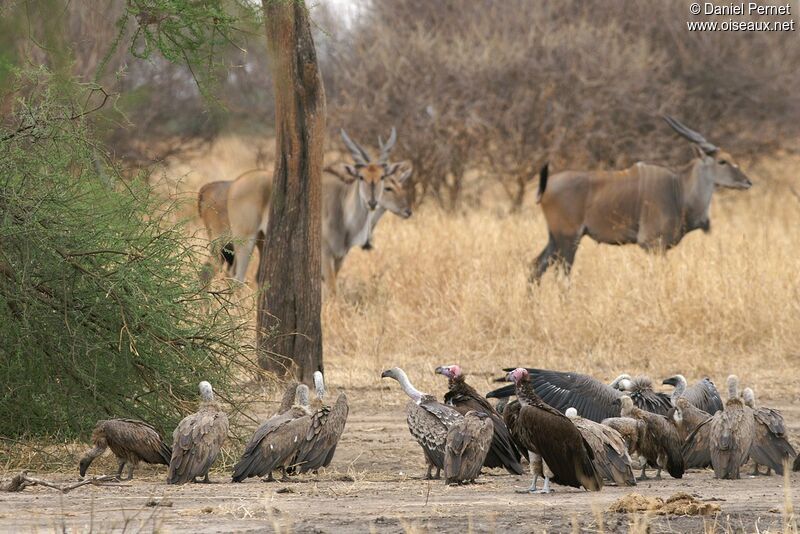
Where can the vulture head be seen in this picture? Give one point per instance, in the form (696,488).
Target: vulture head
(571,412)
(84,464)
(450,371)
(319,384)
(400,375)
(301,395)
(617,381)
(749,397)
(206,391)
(517,375)
(675,381)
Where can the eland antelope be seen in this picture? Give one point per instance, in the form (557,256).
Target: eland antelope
(235,213)
(650,205)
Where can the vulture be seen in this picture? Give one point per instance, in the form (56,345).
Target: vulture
(629,429)
(703,394)
(592,398)
(464,398)
(327,424)
(197,440)
(770,446)
(727,436)
(275,443)
(796,466)
(289,395)
(611,457)
(131,442)
(640,390)
(550,435)
(468,443)
(658,440)
(428,420)
(691,417)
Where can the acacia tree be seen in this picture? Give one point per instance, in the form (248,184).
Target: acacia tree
(289,335)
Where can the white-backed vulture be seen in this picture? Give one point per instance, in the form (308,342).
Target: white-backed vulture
(131,442)
(629,429)
(275,443)
(464,398)
(611,457)
(703,394)
(197,440)
(561,390)
(327,424)
(770,446)
(428,421)
(640,390)
(566,456)
(659,442)
(468,443)
(691,417)
(729,433)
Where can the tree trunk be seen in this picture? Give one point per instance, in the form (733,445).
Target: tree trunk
(289,334)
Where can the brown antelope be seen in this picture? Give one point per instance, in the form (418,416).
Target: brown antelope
(235,213)
(650,205)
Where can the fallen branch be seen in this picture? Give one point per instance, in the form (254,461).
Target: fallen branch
(22,481)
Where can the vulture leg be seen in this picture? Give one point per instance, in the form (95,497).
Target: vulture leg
(547,474)
(428,475)
(658,474)
(756,472)
(121,464)
(438,473)
(130,472)
(644,476)
(533,461)
(205,479)
(284,476)
(269,478)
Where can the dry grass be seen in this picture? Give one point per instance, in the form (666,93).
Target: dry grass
(443,288)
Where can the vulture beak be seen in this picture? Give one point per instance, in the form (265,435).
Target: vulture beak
(387,374)
(671,381)
(439,370)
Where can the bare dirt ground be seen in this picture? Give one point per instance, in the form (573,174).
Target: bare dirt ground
(375,485)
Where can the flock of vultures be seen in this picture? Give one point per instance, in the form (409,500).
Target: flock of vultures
(571,428)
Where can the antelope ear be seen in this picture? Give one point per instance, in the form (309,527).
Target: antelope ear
(390,169)
(405,175)
(700,153)
(352,171)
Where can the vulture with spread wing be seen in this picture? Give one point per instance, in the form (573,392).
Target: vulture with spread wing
(464,398)
(428,421)
(547,433)
(197,440)
(640,390)
(131,442)
(703,394)
(275,443)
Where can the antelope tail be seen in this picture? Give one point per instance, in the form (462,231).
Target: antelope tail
(542,182)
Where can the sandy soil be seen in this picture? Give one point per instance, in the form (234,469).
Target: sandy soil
(376,485)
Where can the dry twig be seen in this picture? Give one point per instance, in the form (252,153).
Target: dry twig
(22,481)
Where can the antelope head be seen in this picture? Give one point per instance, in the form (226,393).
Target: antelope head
(715,162)
(371,175)
(397,193)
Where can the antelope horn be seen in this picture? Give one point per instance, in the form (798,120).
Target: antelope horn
(691,135)
(385,149)
(359,154)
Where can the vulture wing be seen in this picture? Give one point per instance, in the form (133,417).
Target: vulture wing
(731,439)
(646,399)
(770,446)
(138,438)
(705,396)
(272,445)
(429,422)
(327,425)
(611,457)
(592,398)
(661,432)
(696,450)
(196,444)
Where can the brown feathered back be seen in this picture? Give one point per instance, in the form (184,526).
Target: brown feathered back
(130,440)
(468,443)
(197,442)
(732,431)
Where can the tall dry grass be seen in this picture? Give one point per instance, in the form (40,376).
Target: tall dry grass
(452,287)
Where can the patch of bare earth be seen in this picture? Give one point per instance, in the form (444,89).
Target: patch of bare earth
(376,485)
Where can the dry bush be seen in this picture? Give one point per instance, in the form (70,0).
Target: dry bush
(501,86)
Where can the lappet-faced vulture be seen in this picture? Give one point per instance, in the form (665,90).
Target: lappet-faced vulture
(730,434)
(464,398)
(131,442)
(468,443)
(770,446)
(546,432)
(428,420)
(275,443)
(327,424)
(197,440)
(659,443)
(640,390)
(611,457)
(592,398)
(703,394)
